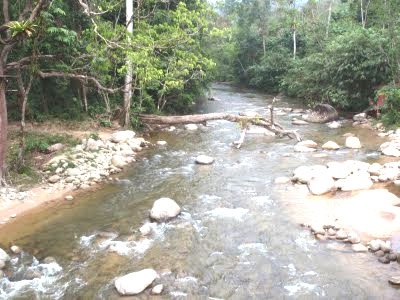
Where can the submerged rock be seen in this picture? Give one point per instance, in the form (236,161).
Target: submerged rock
(164,209)
(330,145)
(136,282)
(191,127)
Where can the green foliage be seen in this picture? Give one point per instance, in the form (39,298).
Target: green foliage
(391,107)
(39,142)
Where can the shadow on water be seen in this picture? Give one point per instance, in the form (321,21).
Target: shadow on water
(234,239)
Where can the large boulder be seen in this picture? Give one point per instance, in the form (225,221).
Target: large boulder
(118,161)
(136,282)
(338,170)
(3,258)
(391,148)
(164,209)
(320,185)
(122,136)
(322,113)
(354,182)
(304,174)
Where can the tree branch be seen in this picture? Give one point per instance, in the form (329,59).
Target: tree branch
(24,61)
(97,83)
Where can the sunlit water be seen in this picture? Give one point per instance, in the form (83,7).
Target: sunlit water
(235,238)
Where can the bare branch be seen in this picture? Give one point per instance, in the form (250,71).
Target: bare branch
(86,78)
(24,62)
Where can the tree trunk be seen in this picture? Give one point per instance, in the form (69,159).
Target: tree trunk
(3,126)
(329,19)
(128,76)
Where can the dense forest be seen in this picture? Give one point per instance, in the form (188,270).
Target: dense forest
(112,59)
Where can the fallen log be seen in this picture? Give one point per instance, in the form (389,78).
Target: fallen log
(243,121)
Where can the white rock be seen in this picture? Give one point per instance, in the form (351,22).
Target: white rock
(358,181)
(161,143)
(338,170)
(55,148)
(375,169)
(361,117)
(146,229)
(164,209)
(353,142)
(69,198)
(73,172)
(330,145)
(204,160)
(375,245)
(15,249)
(299,122)
(3,255)
(320,185)
(157,290)
(303,149)
(54,179)
(93,145)
(359,248)
(390,149)
(136,282)
(304,174)
(122,136)
(394,280)
(118,161)
(191,127)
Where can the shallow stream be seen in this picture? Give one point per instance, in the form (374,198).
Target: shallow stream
(235,238)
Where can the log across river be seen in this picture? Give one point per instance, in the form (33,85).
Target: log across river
(235,238)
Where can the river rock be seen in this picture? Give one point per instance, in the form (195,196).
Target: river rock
(118,161)
(375,169)
(353,142)
(157,290)
(122,136)
(375,245)
(73,172)
(3,258)
(136,282)
(161,143)
(146,229)
(341,234)
(392,256)
(54,178)
(69,198)
(361,117)
(49,260)
(317,229)
(359,248)
(164,209)
(322,113)
(394,280)
(320,185)
(338,170)
(191,127)
(385,246)
(391,148)
(354,182)
(330,145)
(353,238)
(15,249)
(303,174)
(380,253)
(204,160)
(384,260)
(303,149)
(55,148)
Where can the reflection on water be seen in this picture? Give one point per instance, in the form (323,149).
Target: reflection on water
(234,239)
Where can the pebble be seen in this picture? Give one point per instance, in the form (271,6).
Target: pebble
(157,290)
(69,197)
(13,216)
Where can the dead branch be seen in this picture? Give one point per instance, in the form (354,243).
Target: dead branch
(244,121)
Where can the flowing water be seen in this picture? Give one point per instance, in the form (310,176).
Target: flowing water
(235,238)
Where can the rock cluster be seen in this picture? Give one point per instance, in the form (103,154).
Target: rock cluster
(351,142)
(94,160)
(349,175)
(11,194)
(382,250)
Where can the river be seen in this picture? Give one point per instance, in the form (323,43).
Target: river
(235,237)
